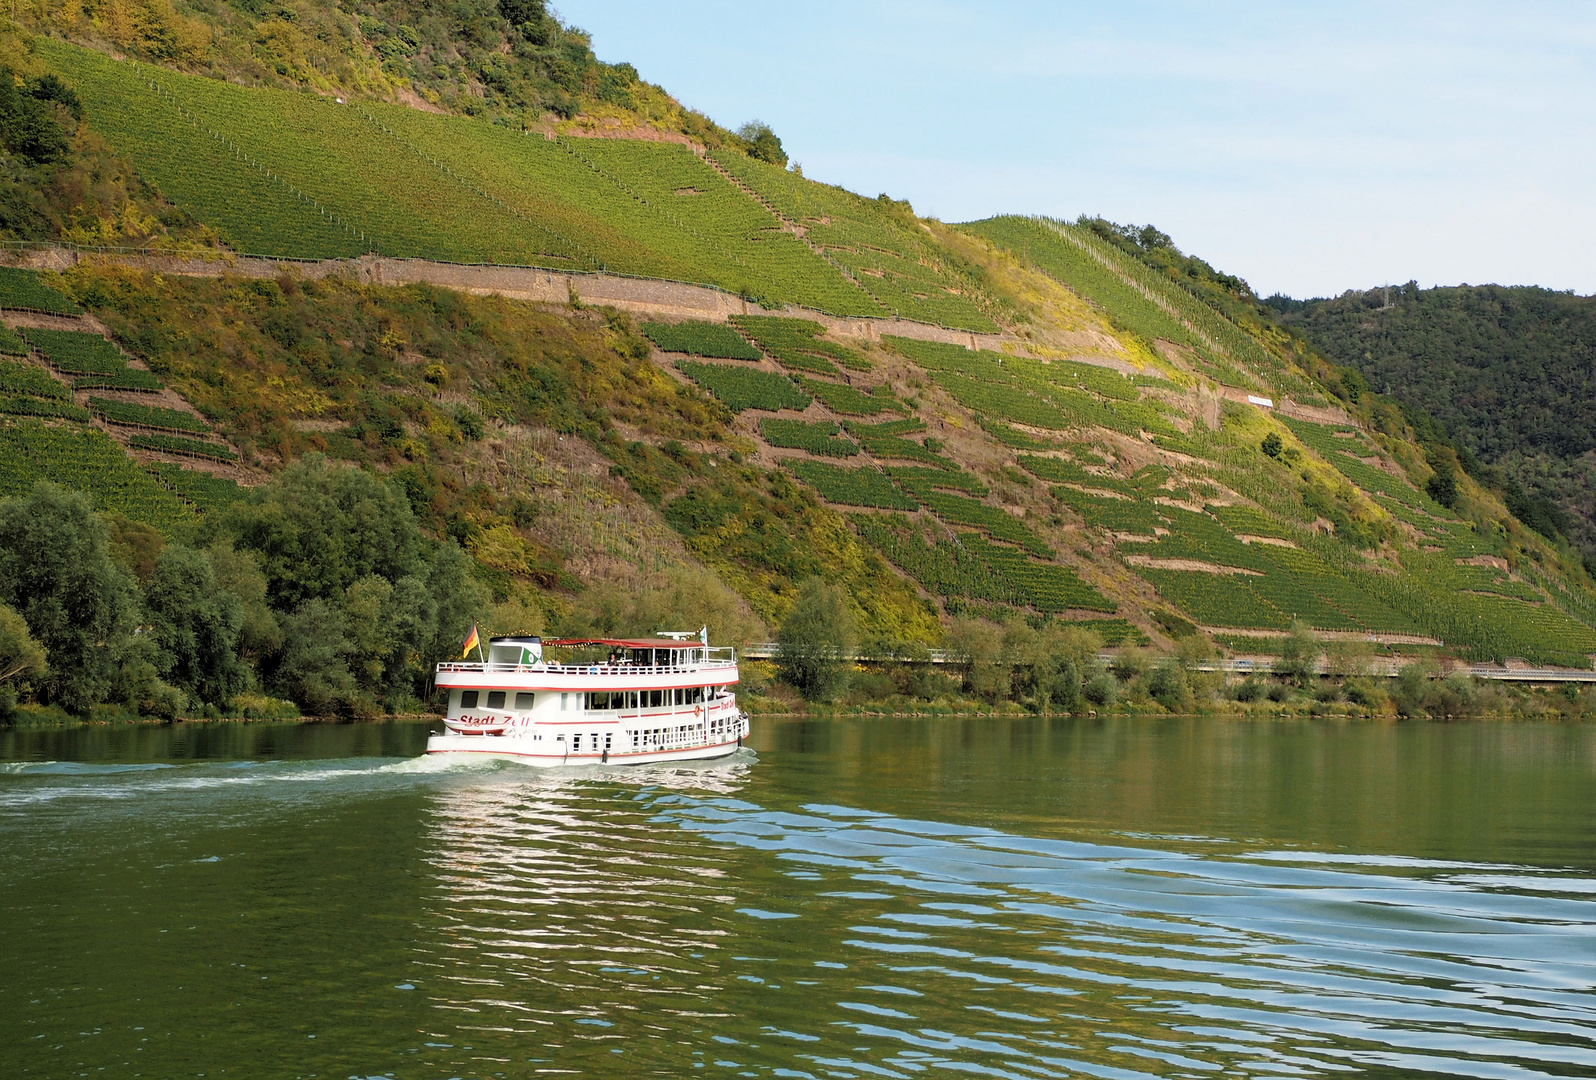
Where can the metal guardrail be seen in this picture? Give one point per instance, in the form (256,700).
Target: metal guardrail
(766,650)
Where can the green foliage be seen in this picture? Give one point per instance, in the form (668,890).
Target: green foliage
(815,640)
(280,173)
(29,127)
(20,655)
(817,438)
(195,627)
(761,143)
(73,352)
(745,388)
(797,343)
(715,340)
(87,461)
(172,444)
(850,401)
(23,378)
(29,406)
(23,291)
(55,572)
(1271,444)
(124,412)
(864,486)
(877,241)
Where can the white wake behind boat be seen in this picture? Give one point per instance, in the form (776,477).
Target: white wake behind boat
(652,699)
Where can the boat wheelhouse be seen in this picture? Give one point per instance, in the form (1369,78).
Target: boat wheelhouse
(647,699)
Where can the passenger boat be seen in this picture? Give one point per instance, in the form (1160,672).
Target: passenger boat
(652,699)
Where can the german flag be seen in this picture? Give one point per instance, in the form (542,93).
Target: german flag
(472,641)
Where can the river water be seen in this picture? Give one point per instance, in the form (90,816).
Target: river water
(888,898)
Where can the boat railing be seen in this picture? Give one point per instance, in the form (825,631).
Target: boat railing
(710,659)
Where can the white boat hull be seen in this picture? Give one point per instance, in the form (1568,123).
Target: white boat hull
(528,752)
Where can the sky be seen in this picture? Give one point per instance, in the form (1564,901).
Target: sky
(1308,147)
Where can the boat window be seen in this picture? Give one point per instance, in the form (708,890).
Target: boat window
(655,699)
(495,699)
(468,699)
(631,699)
(524,701)
(576,742)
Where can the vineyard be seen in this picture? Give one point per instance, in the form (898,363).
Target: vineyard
(850,401)
(1056,397)
(715,340)
(873,242)
(969,567)
(850,487)
(999,524)
(122,412)
(73,352)
(797,343)
(206,492)
(745,388)
(20,378)
(886,441)
(11,343)
(171,444)
(51,407)
(817,438)
(87,461)
(21,290)
(289,174)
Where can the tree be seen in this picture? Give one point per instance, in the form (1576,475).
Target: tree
(978,648)
(1272,445)
(195,627)
(320,528)
(20,655)
(1299,655)
(814,641)
(78,604)
(762,143)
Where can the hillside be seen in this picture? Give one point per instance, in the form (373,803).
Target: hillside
(1136,452)
(1509,372)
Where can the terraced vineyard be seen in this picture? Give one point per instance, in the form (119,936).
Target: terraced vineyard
(123,412)
(887,441)
(850,401)
(30,406)
(798,343)
(87,461)
(746,388)
(24,378)
(817,438)
(696,338)
(969,567)
(872,241)
(1056,397)
(866,486)
(23,291)
(172,444)
(290,174)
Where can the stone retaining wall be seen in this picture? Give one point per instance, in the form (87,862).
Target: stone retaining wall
(640,296)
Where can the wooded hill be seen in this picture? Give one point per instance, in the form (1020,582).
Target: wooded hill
(1138,452)
(1509,372)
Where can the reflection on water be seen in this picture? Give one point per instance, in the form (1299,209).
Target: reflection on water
(775,916)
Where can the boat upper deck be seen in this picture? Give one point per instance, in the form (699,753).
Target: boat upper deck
(631,663)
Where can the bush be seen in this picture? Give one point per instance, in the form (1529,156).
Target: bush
(814,641)
(1167,685)
(1249,690)
(1101,689)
